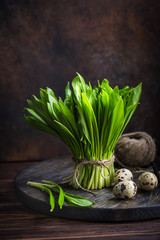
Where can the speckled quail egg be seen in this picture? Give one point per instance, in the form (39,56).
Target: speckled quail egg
(125,189)
(147,181)
(122,174)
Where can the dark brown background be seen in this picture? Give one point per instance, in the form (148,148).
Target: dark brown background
(44,43)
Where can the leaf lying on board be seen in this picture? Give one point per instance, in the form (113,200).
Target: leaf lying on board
(70,199)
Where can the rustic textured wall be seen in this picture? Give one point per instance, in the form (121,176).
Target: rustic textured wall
(44,43)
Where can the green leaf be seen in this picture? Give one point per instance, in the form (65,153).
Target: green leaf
(77,88)
(40,126)
(35,115)
(69,139)
(82,83)
(77,201)
(71,199)
(70,118)
(92,126)
(83,123)
(51,199)
(50,92)
(41,110)
(117,119)
(57,188)
(105,86)
(135,95)
(61,194)
(44,95)
(69,100)
(43,188)
(90,120)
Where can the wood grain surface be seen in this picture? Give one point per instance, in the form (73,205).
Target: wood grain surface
(145,205)
(20,222)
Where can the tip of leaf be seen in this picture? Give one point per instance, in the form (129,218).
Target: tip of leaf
(24,109)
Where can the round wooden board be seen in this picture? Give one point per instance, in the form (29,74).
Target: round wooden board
(145,205)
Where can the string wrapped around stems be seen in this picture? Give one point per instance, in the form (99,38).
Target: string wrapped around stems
(102,163)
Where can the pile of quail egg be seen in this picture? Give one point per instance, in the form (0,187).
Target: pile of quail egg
(126,188)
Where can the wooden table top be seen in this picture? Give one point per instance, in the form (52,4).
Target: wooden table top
(19,222)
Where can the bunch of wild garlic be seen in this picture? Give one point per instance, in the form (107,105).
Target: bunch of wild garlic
(89,121)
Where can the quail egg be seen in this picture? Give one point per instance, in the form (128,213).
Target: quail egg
(123,174)
(148,181)
(125,189)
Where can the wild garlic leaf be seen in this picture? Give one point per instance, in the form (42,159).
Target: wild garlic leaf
(61,196)
(83,85)
(69,138)
(116,118)
(135,95)
(82,121)
(70,118)
(69,101)
(44,188)
(80,202)
(51,199)
(105,86)
(71,199)
(50,92)
(34,114)
(40,126)
(44,95)
(90,120)
(60,191)
(39,109)
(77,89)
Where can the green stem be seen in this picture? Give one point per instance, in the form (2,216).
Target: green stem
(100,181)
(37,185)
(107,180)
(112,173)
(81,174)
(85,177)
(92,185)
(91,178)
(103,179)
(97,177)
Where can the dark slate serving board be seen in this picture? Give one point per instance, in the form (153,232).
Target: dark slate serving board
(145,205)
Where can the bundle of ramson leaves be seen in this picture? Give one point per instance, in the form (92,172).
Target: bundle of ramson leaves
(89,121)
